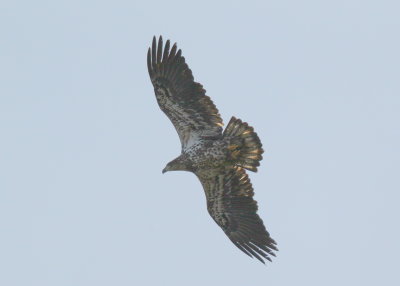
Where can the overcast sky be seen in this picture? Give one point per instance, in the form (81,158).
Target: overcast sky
(83,142)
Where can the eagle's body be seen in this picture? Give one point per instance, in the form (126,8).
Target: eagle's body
(218,158)
(204,156)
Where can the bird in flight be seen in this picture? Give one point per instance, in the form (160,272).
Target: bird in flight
(219,158)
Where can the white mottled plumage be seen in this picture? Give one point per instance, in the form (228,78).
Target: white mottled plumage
(217,158)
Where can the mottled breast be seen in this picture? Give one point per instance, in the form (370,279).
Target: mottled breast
(208,154)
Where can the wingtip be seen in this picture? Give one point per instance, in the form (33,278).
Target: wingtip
(159,38)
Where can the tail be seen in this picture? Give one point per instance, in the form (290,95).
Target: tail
(244,144)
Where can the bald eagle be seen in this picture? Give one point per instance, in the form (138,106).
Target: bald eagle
(218,158)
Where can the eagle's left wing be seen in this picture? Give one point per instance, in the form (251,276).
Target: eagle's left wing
(183,100)
(230,203)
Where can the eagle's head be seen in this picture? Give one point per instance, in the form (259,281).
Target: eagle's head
(178,164)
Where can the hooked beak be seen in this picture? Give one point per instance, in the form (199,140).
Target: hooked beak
(164,170)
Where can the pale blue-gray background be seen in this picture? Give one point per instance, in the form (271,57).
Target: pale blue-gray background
(83,142)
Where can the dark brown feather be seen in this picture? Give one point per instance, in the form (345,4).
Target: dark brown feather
(230,203)
(183,100)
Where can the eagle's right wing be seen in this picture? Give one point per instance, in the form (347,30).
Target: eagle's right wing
(230,203)
(183,100)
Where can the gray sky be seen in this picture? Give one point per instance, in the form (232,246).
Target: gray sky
(83,142)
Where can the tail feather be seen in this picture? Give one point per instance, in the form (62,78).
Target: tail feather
(244,145)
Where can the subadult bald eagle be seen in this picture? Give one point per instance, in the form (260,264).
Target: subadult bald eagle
(218,158)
